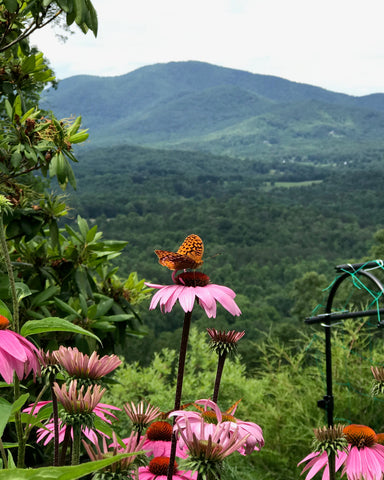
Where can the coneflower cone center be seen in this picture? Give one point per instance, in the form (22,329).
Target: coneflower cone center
(360,436)
(160,431)
(159,466)
(4,322)
(192,279)
(209,416)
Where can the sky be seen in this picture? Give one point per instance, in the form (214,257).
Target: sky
(334,44)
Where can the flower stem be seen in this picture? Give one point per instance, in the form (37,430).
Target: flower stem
(67,439)
(18,424)
(219,373)
(11,277)
(76,443)
(179,385)
(332,466)
(55,423)
(3,454)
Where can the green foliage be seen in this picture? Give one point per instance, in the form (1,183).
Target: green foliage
(281,396)
(61,473)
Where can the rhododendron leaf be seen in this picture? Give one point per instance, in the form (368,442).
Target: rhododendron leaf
(53,324)
(60,473)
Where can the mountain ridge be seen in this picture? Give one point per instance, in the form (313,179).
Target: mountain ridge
(181,104)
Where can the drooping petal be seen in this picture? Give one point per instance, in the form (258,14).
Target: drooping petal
(187,298)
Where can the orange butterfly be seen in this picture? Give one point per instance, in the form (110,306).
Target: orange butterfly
(189,254)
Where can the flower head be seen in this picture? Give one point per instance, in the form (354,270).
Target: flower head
(224,342)
(80,365)
(365,457)
(328,439)
(46,434)
(211,414)
(17,354)
(76,401)
(133,445)
(140,418)
(191,286)
(159,440)
(158,468)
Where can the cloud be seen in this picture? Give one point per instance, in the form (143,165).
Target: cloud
(337,45)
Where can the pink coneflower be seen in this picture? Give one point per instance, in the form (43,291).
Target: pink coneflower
(224,342)
(159,440)
(213,415)
(76,401)
(140,418)
(17,354)
(80,365)
(318,461)
(46,434)
(208,445)
(133,445)
(158,468)
(365,457)
(191,286)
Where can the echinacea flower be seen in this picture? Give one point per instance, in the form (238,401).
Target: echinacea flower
(159,440)
(133,445)
(365,457)
(158,468)
(80,365)
(212,414)
(46,434)
(140,418)
(329,440)
(76,401)
(224,342)
(191,286)
(208,445)
(17,354)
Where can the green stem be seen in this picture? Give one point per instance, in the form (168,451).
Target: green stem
(55,423)
(66,441)
(76,443)
(19,425)
(3,454)
(179,385)
(11,277)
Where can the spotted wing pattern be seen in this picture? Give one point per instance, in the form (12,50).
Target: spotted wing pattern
(189,254)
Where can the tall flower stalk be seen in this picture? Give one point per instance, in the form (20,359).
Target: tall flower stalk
(223,343)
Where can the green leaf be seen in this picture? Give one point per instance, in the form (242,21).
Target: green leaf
(9,109)
(5,413)
(4,310)
(72,472)
(53,324)
(66,308)
(19,403)
(22,290)
(117,318)
(17,106)
(45,295)
(11,5)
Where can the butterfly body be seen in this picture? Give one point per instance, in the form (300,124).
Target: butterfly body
(189,255)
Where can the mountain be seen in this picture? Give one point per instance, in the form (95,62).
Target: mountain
(199,106)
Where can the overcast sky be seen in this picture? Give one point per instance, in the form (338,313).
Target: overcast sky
(334,44)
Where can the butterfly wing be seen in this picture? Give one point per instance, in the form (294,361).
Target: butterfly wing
(189,255)
(192,247)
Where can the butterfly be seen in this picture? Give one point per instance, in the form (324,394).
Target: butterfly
(189,254)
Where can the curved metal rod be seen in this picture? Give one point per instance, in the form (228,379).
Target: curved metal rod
(328,401)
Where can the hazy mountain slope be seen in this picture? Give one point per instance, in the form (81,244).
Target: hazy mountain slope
(205,107)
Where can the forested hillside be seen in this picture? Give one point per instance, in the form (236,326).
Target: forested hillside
(280,179)
(264,226)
